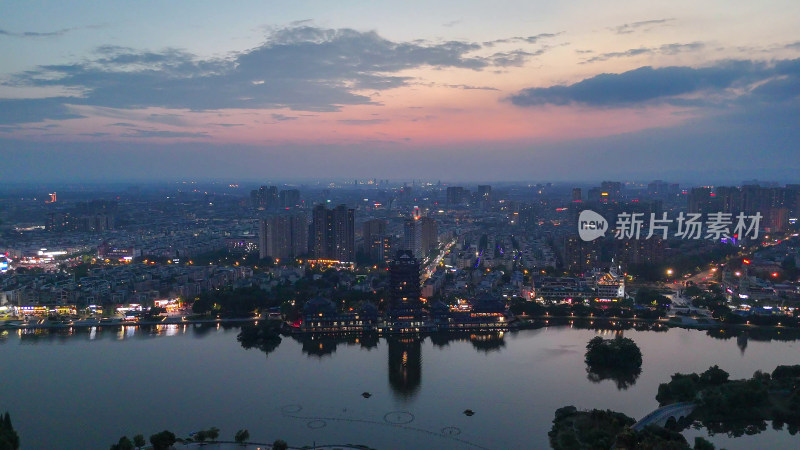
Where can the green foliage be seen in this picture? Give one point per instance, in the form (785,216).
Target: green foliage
(651,438)
(242,436)
(263,336)
(280,444)
(123,444)
(738,407)
(702,444)
(9,440)
(596,429)
(620,353)
(163,440)
(241,302)
(617,359)
(210,434)
(785,372)
(714,376)
(693,291)
(213,433)
(139,441)
(651,297)
(682,388)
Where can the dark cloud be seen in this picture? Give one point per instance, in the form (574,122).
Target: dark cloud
(520,39)
(35,34)
(282,117)
(300,68)
(515,58)
(35,110)
(644,25)
(759,81)
(666,49)
(46,34)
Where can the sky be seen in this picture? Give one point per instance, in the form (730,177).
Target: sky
(452,90)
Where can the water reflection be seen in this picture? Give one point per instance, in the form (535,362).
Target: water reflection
(623,379)
(744,336)
(405,365)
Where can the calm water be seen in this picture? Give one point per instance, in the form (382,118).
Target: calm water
(85,390)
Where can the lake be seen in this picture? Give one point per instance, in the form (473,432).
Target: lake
(86,388)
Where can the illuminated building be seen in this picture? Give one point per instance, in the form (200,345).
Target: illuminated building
(320,315)
(405,306)
(283,236)
(374,232)
(333,233)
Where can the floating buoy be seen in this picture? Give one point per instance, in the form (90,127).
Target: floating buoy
(469,412)
(366,395)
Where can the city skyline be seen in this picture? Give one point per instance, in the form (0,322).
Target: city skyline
(525,91)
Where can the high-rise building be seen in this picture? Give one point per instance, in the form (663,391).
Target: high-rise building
(289,198)
(264,197)
(429,235)
(283,236)
(412,237)
(484,195)
(333,233)
(404,282)
(700,200)
(576,194)
(455,195)
(321,232)
(374,232)
(344,233)
(580,255)
(639,251)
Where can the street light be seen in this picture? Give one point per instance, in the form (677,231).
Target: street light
(669,272)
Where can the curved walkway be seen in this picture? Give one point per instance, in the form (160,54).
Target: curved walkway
(661,415)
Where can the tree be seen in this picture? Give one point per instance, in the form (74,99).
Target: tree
(201,436)
(702,444)
(163,440)
(242,436)
(139,441)
(9,440)
(123,444)
(212,433)
(714,376)
(280,444)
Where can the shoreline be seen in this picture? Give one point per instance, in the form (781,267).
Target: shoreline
(522,323)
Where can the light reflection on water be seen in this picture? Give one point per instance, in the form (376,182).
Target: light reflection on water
(128,380)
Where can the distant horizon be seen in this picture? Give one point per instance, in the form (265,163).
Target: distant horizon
(364,182)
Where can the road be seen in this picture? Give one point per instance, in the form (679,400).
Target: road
(431,267)
(677,299)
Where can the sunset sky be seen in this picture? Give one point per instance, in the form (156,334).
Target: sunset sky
(503,90)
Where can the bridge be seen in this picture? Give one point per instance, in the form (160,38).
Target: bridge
(661,415)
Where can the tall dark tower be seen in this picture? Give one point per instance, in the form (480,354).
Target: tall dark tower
(320,232)
(344,233)
(404,281)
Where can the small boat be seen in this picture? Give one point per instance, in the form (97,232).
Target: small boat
(469,412)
